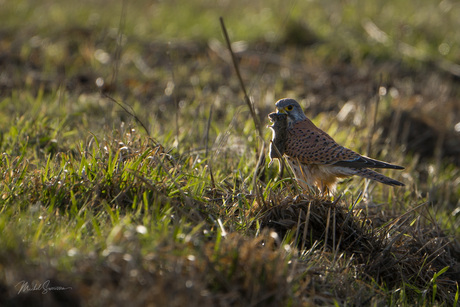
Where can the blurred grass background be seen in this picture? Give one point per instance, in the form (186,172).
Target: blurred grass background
(88,200)
(427,26)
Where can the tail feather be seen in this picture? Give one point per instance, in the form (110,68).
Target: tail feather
(373,175)
(365,162)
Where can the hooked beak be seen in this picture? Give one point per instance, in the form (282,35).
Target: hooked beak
(281,110)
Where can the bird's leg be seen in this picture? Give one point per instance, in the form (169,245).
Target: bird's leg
(325,191)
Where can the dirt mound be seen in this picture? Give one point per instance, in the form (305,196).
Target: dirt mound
(399,251)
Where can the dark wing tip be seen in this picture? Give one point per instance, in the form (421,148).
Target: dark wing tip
(396,183)
(365,162)
(372,163)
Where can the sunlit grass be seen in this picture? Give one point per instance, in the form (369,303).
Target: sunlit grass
(169,211)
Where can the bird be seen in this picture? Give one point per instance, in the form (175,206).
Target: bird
(316,160)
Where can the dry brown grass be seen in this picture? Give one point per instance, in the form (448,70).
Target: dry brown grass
(405,250)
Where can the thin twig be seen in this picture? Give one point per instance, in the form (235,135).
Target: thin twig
(297,230)
(305,229)
(209,163)
(260,163)
(208,126)
(333,229)
(327,229)
(118,50)
(131,113)
(237,69)
(213,184)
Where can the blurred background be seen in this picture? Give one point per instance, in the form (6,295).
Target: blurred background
(87,197)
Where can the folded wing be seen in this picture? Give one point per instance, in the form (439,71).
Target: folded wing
(311,145)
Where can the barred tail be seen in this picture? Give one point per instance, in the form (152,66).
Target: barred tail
(370,174)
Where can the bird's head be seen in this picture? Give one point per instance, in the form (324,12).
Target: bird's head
(292,109)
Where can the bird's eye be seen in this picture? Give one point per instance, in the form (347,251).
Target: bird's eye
(289,108)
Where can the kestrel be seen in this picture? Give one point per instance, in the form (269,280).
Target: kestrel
(314,157)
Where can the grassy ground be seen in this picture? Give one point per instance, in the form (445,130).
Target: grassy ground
(128,153)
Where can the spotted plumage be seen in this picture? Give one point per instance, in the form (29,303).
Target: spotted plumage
(315,158)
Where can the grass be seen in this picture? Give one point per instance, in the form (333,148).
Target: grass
(164,210)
